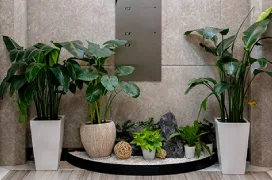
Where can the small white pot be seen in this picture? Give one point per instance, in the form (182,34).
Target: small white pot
(47,139)
(149,155)
(210,146)
(232,144)
(189,151)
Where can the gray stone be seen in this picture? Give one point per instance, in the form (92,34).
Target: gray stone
(173,148)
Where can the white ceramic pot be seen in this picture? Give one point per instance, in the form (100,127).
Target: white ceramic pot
(232,144)
(47,140)
(189,151)
(98,139)
(149,155)
(210,146)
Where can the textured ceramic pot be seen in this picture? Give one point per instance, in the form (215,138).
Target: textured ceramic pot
(98,139)
(232,144)
(149,155)
(47,140)
(189,151)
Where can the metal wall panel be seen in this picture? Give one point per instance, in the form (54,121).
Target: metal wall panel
(139,22)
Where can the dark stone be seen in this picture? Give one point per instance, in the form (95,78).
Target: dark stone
(173,148)
(136,150)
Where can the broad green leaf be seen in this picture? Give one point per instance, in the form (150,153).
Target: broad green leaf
(264,15)
(45,48)
(221,87)
(39,58)
(124,70)
(115,43)
(74,47)
(53,57)
(28,94)
(204,102)
(130,89)
(98,52)
(33,70)
(254,32)
(3,88)
(257,71)
(14,68)
(73,67)
(231,67)
(30,53)
(208,49)
(109,82)
(93,93)
(225,45)
(17,82)
(16,55)
(194,82)
(62,75)
(11,44)
(86,75)
(23,110)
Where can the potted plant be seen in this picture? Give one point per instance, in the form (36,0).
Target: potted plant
(191,136)
(37,77)
(232,129)
(150,141)
(99,133)
(209,137)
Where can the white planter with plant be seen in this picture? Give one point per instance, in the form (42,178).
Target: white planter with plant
(191,137)
(232,129)
(38,78)
(98,135)
(150,141)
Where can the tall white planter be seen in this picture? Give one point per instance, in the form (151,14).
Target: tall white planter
(232,144)
(47,139)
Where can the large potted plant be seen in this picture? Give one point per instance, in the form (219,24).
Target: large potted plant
(37,77)
(99,133)
(232,129)
(150,142)
(191,137)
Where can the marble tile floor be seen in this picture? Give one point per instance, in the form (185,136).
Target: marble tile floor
(68,171)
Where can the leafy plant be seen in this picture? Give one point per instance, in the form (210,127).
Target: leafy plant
(37,77)
(100,83)
(126,131)
(148,139)
(233,84)
(208,127)
(191,136)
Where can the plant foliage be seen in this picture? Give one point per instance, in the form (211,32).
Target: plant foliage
(233,85)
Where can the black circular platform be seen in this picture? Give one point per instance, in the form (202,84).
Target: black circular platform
(141,170)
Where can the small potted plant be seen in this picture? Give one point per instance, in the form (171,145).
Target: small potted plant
(150,141)
(99,133)
(191,136)
(208,138)
(37,77)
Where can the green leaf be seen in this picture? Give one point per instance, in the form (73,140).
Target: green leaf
(87,75)
(14,68)
(30,53)
(28,94)
(211,50)
(115,43)
(194,82)
(23,110)
(262,62)
(16,55)
(254,32)
(79,84)
(3,88)
(204,102)
(264,15)
(17,82)
(231,67)
(225,45)
(11,44)
(96,51)
(93,93)
(124,70)
(130,89)
(221,87)
(33,70)
(62,75)
(257,71)
(53,57)
(109,82)
(72,88)
(74,47)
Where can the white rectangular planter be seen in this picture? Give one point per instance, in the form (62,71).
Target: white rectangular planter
(47,139)
(232,144)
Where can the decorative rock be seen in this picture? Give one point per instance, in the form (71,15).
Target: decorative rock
(173,148)
(123,150)
(161,155)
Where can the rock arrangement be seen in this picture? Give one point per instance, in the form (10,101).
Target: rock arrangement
(173,148)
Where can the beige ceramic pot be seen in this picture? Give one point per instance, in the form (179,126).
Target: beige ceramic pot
(98,139)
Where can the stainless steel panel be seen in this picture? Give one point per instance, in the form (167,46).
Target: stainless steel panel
(139,22)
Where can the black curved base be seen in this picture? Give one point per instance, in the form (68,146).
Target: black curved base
(141,170)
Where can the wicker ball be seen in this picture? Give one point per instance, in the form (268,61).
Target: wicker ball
(122,150)
(162,154)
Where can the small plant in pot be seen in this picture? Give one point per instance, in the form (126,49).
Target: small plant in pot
(37,77)
(191,137)
(231,89)
(99,133)
(150,141)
